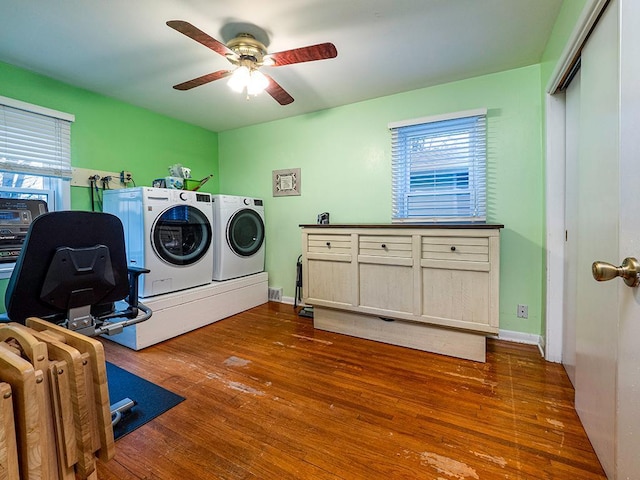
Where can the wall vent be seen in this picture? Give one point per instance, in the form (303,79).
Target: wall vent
(275,294)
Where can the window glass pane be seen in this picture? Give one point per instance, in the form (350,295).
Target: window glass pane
(19,180)
(440,179)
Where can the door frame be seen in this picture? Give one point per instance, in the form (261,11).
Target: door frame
(555,178)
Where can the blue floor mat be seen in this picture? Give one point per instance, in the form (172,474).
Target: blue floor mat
(152,400)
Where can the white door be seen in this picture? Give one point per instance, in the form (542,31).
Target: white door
(607,355)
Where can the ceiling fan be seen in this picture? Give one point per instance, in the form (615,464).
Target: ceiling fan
(247,55)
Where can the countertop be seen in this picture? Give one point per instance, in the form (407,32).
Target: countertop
(405,225)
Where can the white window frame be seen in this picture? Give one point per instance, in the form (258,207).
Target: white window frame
(439,168)
(54,171)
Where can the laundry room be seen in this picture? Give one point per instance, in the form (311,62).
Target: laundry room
(278,262)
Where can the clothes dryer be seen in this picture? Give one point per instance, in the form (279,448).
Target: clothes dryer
(168,232)
(239,236)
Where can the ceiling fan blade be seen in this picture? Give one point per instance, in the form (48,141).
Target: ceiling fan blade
(199,36)
(278,93)
(304,54)
(196,82)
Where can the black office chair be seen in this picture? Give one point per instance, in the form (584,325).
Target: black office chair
(73,271)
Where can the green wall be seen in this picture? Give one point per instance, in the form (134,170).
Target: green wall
(112,135)
(344,156)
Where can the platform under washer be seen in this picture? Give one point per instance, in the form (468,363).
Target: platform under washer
(239,236)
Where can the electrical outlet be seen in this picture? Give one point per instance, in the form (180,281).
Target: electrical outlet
(523,311)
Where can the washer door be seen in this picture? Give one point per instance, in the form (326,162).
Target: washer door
(245,232)
(181,235)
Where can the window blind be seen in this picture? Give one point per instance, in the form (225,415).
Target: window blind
(439,168)
(34,143)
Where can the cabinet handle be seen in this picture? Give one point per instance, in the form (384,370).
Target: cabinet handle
(453,248)
(329,244)
(384,245)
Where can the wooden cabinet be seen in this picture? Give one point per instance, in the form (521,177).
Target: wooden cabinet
(434,288)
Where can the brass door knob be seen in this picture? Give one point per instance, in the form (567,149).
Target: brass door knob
(629,271)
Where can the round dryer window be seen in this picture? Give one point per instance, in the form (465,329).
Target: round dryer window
(245,232)
(181,235)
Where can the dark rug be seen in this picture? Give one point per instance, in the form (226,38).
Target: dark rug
(152,400)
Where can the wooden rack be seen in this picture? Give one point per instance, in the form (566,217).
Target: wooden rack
(54,403)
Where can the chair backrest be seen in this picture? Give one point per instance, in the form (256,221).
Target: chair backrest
(69,259)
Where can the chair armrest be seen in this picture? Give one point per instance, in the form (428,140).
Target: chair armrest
(137,270)
(134,273)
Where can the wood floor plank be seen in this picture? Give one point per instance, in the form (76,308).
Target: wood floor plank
(269,397)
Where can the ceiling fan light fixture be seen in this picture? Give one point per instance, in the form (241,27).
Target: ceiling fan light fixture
(257,83)
(249,79)
(239,79)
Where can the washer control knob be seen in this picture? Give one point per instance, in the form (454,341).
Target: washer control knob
(183,196)
(247,201)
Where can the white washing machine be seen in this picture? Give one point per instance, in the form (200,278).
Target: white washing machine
(238,236)
(168,232)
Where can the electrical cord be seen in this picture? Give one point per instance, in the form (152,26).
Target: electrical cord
(298,295)
(93,183)
(98,197)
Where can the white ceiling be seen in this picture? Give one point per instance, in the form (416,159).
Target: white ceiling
(123,48)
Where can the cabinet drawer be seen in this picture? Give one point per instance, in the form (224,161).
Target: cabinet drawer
(471,249)
(340,244)
(385,246)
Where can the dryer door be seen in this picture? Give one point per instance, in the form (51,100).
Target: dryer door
(181,235)
(245,232)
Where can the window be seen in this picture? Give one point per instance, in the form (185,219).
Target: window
(439,168)
(35,155)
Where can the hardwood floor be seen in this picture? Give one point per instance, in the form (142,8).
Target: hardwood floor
(269,397)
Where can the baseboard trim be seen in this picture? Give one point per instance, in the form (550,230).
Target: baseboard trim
(290,301)
(520,337)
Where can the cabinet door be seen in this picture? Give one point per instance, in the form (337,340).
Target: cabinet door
(457,283)
(461,295)
(330,283)
(328,271)
(385,268)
